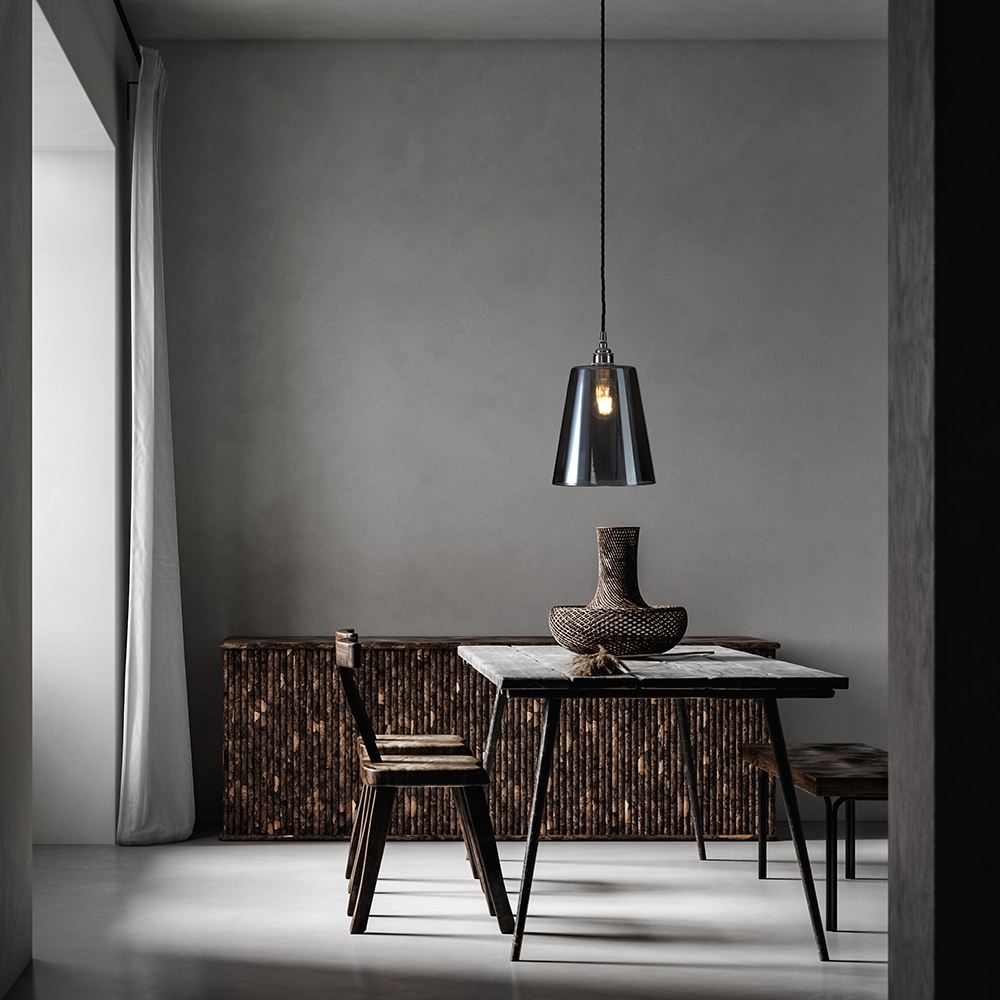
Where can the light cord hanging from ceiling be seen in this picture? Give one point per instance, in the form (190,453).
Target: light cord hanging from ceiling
(604,290)
(602,346)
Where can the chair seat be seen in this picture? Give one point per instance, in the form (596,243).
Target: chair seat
(394,744)
(847,770)
(424,770)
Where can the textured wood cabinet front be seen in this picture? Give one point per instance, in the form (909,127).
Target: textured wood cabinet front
(291,770)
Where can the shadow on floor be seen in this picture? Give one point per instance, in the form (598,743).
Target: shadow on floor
(148,977)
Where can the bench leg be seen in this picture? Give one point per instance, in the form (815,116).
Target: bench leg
(851,842)
(763,792)
(832,819)
(831,864)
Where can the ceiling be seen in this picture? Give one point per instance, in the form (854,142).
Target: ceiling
(62,116)
(513,19)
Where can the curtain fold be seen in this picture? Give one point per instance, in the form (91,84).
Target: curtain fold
(157,789)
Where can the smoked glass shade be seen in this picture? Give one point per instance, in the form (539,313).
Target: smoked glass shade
(603,441)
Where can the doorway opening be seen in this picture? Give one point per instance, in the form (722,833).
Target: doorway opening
(76,449)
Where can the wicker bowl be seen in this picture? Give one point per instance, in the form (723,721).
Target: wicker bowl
(623,632)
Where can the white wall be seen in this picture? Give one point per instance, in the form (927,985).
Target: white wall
(75,474)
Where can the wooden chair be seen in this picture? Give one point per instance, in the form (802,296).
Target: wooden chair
(840,774)
(393,745)
(388,763)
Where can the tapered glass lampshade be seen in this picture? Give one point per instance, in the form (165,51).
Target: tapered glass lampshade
(603,441)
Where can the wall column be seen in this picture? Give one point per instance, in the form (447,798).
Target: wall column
(943,499)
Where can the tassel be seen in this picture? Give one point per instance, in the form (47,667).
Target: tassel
(599,664)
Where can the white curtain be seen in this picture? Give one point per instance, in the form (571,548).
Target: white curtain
(157,791)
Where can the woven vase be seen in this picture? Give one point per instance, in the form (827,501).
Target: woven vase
(617,617)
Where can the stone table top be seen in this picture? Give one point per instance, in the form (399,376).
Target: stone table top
(689,671)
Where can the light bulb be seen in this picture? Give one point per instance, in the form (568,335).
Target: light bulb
(603,399)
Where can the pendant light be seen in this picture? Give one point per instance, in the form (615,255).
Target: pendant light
(603,441)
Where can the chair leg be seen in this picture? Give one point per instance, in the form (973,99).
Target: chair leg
(352,848)
(466,827)
(471,845)
(490,750)
(489,857)
(763,793)
(850,842)
(354,884)
(378,830)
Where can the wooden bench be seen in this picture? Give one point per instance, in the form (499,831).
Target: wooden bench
(840,774)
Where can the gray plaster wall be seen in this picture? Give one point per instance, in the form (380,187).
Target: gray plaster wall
(15,489)
(381,262)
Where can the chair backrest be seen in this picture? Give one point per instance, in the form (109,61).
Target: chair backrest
(348,661)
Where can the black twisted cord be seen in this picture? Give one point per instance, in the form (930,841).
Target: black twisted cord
(604,290)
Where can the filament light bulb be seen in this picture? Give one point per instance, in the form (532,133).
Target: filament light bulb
(603,399)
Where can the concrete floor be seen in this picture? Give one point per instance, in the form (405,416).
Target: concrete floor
(247,921)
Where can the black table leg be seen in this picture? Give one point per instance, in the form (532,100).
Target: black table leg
(850,842)
(550,727)
(795,822)
(690,779)
(493,738)
(763,787)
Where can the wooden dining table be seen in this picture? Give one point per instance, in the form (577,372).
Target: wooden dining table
(544,673)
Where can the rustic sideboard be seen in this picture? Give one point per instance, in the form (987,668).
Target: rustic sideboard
(290,769)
